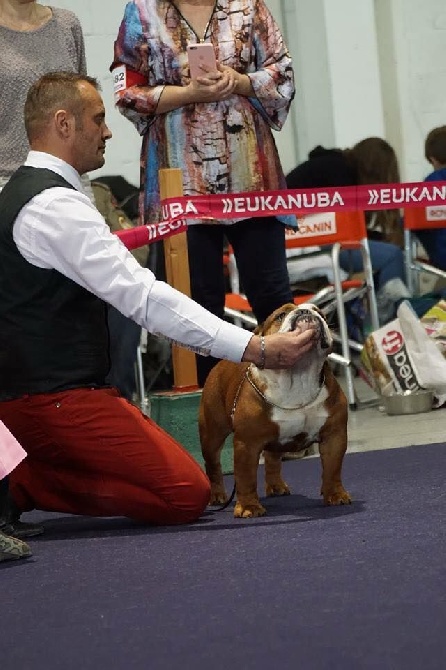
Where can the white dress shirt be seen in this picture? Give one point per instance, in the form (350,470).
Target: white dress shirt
(61,229)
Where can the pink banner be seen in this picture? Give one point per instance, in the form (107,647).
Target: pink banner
(11,453)
(302,202)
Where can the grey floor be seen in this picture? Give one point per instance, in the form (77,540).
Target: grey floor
(371,428)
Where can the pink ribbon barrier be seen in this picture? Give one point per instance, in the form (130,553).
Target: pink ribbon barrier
(302,202)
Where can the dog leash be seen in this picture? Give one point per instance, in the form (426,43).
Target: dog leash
(227,503)
(234,405)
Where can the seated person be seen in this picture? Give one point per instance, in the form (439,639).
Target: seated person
(434,240)
(371,161)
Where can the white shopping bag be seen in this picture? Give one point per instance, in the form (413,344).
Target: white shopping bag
(427,359)
(401,356)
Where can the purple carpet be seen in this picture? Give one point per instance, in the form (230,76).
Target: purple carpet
(306,587)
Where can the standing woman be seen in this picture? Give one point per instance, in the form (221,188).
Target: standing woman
(216,128)
(34,40)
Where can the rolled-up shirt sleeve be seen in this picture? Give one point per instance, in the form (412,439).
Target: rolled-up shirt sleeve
(60,229)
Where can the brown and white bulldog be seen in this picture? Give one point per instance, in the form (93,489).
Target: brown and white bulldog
(275,411)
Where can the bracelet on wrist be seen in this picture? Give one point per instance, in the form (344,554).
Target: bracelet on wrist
(262,362)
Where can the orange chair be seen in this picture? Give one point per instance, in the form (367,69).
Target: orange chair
(419,219)
(343,230)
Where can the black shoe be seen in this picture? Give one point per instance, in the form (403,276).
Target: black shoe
(10,523)
(20,529)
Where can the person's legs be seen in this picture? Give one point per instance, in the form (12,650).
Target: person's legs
(10,523)
(434,243)
(259,248)
(207,282)
(387,262)
(10,547)
(92,452)
(388,271)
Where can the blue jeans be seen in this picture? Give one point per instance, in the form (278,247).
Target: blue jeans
(434,243)
(387,262)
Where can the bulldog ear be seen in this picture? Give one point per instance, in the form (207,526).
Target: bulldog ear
(261,328)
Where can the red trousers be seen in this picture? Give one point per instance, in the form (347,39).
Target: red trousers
(91,452)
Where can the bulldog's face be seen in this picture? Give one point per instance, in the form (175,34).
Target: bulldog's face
(291,317)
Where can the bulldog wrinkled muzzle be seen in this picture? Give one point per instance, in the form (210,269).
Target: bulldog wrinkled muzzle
(305,319)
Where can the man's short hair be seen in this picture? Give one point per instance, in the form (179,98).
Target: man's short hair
(435,145)
(53,91)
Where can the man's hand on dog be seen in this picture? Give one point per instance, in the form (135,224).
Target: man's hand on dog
(282,350)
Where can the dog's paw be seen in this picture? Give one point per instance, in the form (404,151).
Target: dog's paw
(248,511)
(341,497)
(278,488)
(218,496)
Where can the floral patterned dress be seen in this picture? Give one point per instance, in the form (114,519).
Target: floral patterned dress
(221,147)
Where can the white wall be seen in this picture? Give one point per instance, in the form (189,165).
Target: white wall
(416,64)
(363,67)
(286,139)
(369,67)
(310,115)
(336,61)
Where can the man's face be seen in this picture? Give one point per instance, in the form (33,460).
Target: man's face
(91,132)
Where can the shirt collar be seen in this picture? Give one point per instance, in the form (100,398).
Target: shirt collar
(40,159)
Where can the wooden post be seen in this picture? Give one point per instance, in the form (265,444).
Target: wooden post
(177,273)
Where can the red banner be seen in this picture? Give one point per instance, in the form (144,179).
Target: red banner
(303,202)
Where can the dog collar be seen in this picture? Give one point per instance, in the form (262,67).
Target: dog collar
(269,402)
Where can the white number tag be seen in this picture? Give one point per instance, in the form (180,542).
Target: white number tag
(119,75)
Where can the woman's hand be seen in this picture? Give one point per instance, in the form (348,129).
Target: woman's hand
(243,84)
(214,86)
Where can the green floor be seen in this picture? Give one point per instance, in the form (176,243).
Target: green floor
(177,413)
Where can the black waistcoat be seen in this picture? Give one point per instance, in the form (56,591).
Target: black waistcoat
(53,332)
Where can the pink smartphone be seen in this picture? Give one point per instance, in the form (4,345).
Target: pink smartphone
(198,55)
